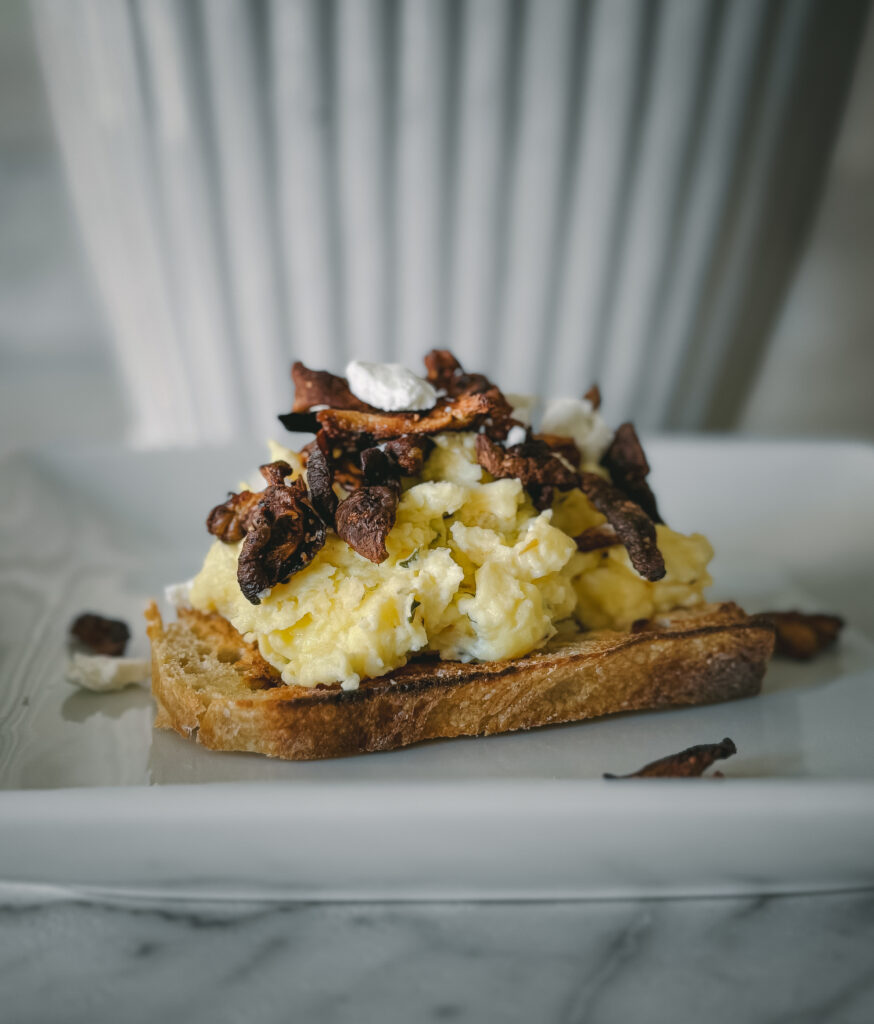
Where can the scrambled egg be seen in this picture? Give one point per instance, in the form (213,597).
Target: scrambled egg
(609,592)
(473,572)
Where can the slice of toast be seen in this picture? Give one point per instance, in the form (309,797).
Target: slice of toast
(210,684)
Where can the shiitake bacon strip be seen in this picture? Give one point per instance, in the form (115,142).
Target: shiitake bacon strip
(463,413)
(626,463)
(802,636)
(688,763)
(284,535)
(632,525)
(540,469)
(364,520)
(320,479)
(319,387)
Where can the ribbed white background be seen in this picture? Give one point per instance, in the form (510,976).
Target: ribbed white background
(560,191)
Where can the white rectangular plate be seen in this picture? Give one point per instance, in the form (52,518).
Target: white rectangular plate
(92,797)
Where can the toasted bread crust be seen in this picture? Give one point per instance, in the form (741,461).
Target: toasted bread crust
(211,685)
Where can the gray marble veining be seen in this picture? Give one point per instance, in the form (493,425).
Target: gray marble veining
(783,959)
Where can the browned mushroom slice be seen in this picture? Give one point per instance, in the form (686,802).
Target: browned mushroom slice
(597,537)
(802,636)
(229,521)
(275,473)
(632,525)
(284,535)
(409,452)
(593,395)
(446,374)
(459,414)
(320,478)
(364,520)
(347,473)
(299,422)
(540,469)
(565,446)
(319,387)
(628,468)
(688,763)
(101,635)
(379,468)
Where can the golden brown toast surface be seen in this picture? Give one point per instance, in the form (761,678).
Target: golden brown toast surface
(211,685)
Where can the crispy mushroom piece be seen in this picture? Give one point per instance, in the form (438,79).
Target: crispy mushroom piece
(596,537)
(229,521)
(314,389)
(633,526)
(319,387)
(101,635)
(344,455)
(593,395)
(275,473)
(565,446)
(628,468)
(284,535)
(347,473)
(802,636)
(445,372)
(449,377)
(320,478)
(364,520)
(409,452)
(689,763)
(387,463)
(379,469)
(540,469)
(299,422)
(462,413)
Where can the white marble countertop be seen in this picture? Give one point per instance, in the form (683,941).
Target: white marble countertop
(793,958)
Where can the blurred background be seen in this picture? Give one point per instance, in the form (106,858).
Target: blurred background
(674,198)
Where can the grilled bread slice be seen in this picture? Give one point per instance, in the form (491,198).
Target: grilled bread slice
(210,684)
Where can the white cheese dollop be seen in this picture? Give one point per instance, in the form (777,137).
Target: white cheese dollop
(389,386)
(577,418)
(102,673)
(515,435)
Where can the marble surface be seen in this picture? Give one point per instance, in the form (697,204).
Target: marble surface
(795,959)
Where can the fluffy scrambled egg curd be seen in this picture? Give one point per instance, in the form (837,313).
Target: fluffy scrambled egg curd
(473,572)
